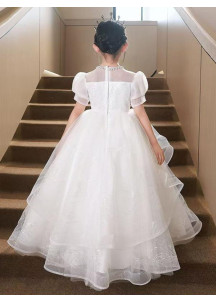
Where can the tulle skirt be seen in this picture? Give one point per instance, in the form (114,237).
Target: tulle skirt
(103,209)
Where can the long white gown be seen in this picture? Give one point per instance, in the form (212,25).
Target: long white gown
(103,209)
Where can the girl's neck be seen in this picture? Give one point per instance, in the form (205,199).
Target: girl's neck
(110,64)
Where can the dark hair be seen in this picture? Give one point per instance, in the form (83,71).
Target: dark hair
(110,36)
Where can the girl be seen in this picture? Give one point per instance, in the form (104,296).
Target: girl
(107,207)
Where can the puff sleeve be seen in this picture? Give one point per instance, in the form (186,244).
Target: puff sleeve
(139,87)
(80,89)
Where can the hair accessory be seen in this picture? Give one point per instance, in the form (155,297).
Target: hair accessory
(111,19)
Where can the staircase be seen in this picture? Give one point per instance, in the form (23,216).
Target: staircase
(38,133)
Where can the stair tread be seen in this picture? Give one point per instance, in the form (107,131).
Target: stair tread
(35,168)
(52,89)
(51,104)
(21,168)
(42,122)
(184,171)
(52,143)
(25,143)
(36,140)
(158,91)
(71,77)
(179,144)
(19,204)
(166,123)
(63,122)
(13,195)
(69,90)
(72,105)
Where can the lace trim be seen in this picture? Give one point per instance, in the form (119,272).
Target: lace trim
(110,67)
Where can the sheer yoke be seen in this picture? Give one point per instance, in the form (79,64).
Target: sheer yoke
(110,88)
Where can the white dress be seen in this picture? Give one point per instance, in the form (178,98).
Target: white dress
(102,208)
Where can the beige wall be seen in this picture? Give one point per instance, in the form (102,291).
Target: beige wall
(49,43)
(84,12)
(183,76)
(161,18)
(80,56)
(207,143)
(31,46)
(141,53)
(191,76)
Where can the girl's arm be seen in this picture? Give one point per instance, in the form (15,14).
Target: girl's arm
(78,109)
(143,117)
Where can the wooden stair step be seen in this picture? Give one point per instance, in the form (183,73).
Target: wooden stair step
(65,82)
(28,168)
(22,151)
(58,111)
(52,143)
(60,122)
(35,144)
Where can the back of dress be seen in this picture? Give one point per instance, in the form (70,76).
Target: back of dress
(102,209)
(109,88)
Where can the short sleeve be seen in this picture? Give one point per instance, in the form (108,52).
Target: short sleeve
(139,87)
(80,89)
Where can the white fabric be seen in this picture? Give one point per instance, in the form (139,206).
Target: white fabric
(126,85)
(139,87)
(102,208)
(79,88)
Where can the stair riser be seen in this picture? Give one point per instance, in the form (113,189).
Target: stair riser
(181,157)
(172,133)
(162,114)
(66,83)
(17,183)
(29,131)
(53,96)
(157,83)
(42,131)
(190,186)
(55,83)
(24,183)
(67,97)
(38,155)
(10,217)
(158,98)
(63,113)
(41,155)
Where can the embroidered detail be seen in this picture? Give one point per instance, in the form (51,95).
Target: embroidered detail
(110,67)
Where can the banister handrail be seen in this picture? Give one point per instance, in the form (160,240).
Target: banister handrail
(9,23)
(206,41)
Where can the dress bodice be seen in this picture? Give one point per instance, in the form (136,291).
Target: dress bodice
(109,88)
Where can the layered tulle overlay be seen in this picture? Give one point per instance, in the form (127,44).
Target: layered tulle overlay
(103,209)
